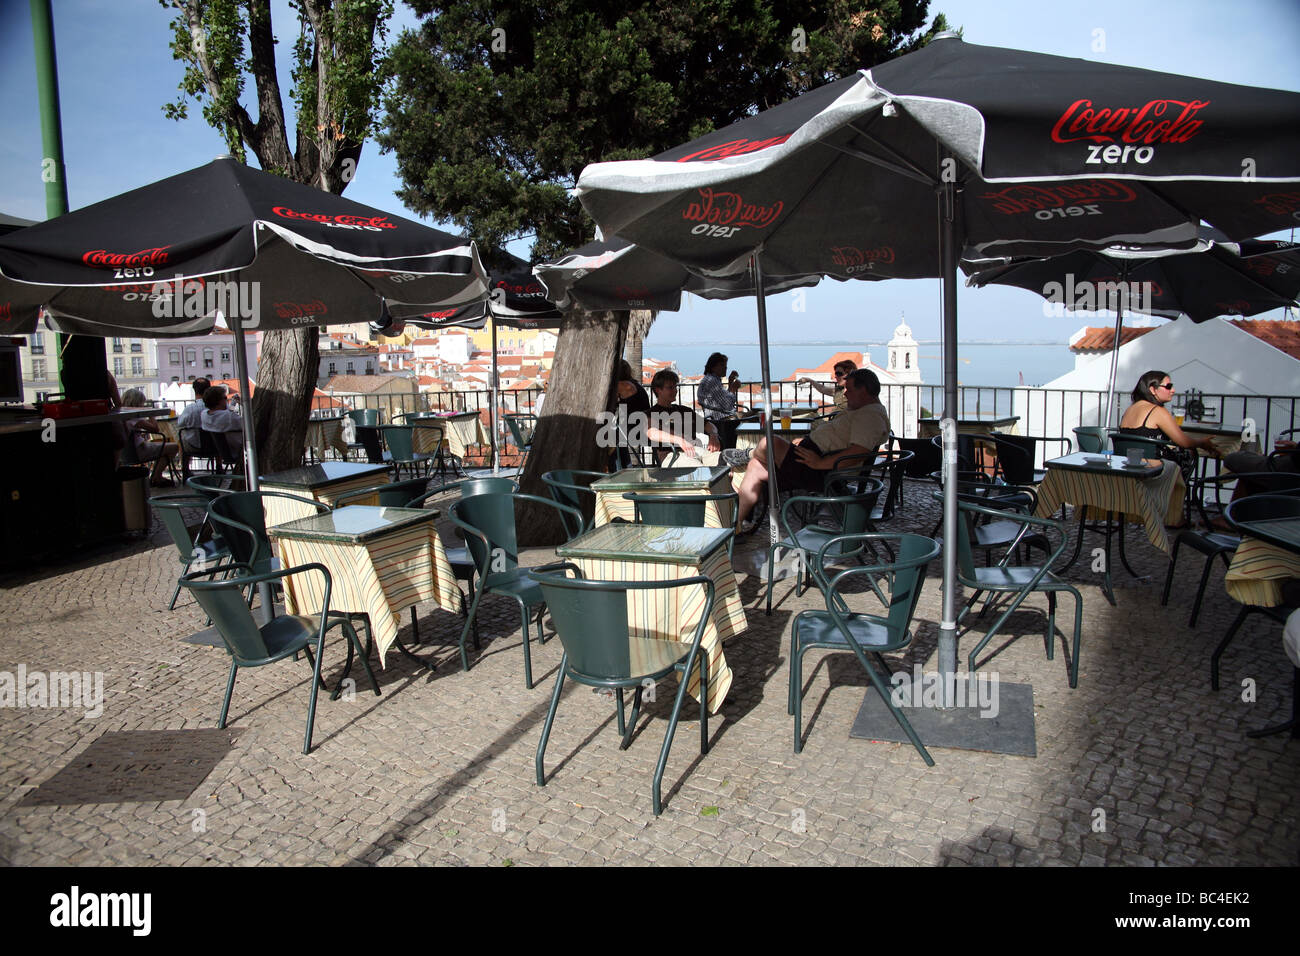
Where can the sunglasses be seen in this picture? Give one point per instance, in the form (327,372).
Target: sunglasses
(1168,385)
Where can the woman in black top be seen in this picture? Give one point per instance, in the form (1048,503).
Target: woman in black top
(1147,416)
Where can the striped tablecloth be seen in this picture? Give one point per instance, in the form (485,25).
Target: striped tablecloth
(462,431)
(1257,572)
(380,578)
(280,510)
(673,615)
(428,436)
(1152,502)
(324,434)
(717,514)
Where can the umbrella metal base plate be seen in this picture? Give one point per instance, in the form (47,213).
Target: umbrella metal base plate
(137,766)
(997,717)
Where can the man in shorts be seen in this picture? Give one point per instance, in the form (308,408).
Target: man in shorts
(859,431)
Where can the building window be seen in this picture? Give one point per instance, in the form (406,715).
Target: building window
(207,358)
(225,355)
(38,343)
(907,360)
(333,368)
(352,369)
(176,378)
(117,345)
(119,367)
(38,369)
(173,356)
(137,365)
(136,346)
(191,357)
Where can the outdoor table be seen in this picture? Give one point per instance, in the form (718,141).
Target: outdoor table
(638,552)
(325,482)
(704,480)
(795,411)
(428,436)
(1150,494)
(1226,440)
(381,560)
(323,434)
(971,426)
(749,433)
(462,430)
(170,428)
(1269,554)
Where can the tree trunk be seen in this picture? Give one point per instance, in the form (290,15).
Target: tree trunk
(638,327)
(581,386)
(286,378)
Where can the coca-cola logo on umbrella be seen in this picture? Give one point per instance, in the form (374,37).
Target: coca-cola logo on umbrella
(735,147)
(1232,308)
(300,310)
(632,293)
(1157,121)
(722,214)
(1067,200)
(102,258)
(342,221)
(1280,204)
(520,289)
(852,259)
(447,314)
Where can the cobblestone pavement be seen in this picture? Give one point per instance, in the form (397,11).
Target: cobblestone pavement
(1141,765)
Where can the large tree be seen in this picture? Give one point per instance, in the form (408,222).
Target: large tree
(334,89)
(497,105)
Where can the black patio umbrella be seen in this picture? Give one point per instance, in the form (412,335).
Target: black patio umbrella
(891,171)
(260,250)
(1219,278)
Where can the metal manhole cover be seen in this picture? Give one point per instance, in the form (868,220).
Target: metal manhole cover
(137,766)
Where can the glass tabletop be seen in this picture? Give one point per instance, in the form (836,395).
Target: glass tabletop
(1283,532)
(322,475)
(352,523)
(644,542)
(662,479)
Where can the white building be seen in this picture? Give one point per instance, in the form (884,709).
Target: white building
(1247,357)
(210,356)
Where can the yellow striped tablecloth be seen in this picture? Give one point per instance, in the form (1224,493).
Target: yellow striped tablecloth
(673,615)
(428,436)
(324,434)
(280,510)
(170,429)
(717,514)
(379,578)
(462,431)
(1152,502)
(1257,572)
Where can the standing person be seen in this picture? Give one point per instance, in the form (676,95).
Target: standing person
(191,418)
(841,370)
(860,430)
(719,401)
(633,406)
(672,425)
(137,433)
(217,417)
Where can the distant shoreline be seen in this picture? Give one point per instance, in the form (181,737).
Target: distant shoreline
(850,346)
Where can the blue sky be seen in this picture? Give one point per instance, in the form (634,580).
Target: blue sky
(116,71)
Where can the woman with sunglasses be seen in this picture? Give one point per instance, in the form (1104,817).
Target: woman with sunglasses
(1149,418)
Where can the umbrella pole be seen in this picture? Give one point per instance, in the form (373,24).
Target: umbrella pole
(773,493)
(948,256)
(495,425)
(1114,349)
(250,446)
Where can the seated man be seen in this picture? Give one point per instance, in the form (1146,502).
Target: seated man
(859,431)
(217,417)
(674,426)
(190,420)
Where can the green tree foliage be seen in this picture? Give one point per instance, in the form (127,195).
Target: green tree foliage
(495,107)
(335,89)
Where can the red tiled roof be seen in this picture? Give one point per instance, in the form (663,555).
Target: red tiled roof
(1101,339)
(1281,335)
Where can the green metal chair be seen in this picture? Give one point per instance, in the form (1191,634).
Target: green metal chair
(254,645)
(680,511)
(566,486)
(209,554)
(488,522)
(1154,448)
(1019,581)
(242,519)
(1092,439)
(395,494)
(521,431)
(600,651)
(852,516)
(401,453)
(839,628)
(366,422)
